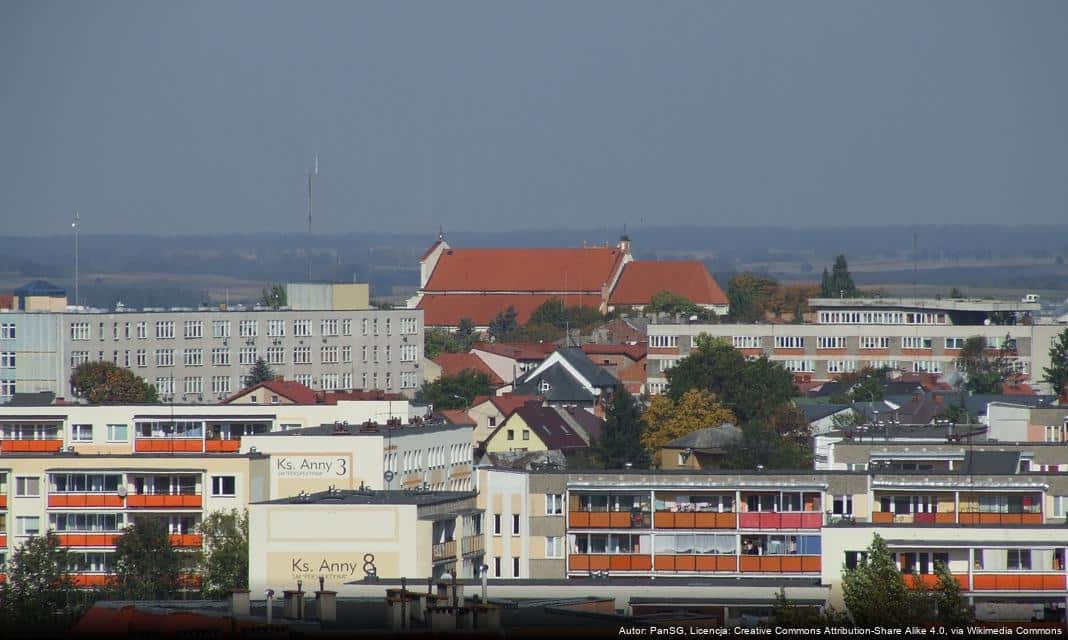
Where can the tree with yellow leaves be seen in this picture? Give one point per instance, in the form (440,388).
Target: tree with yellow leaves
(666,420)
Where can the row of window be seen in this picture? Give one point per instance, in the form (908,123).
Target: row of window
(7,330)
(193,329)
(882,317)
(220,356)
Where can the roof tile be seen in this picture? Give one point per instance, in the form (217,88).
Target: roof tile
(641,280)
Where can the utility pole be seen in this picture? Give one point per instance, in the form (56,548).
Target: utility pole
(314,172)
(74,225)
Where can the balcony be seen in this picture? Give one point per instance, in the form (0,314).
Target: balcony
(695,520)
(971,517)
(3,501)
(779,564)
(472,545)
(105,500)
(1018,582)
(930,581)
(168,445)
(888,517)
(164,501)
(187,540)
(698,563)
(98,539)
(790,520)
(31,446)
(87,580)
(443,551)
(613,562)
(222,446)
(609,519)
(3,539)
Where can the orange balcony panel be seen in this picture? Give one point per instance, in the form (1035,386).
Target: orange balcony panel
(3,502)
(927,580)
(706,563)
(91,580)
(726,563)
(31,446)
(579,562)
(105,500)
(749,564)
(89,539)
(791,564)
(664,520)
(726,520)
(599,563)
(3,578)
(790,521)
(685,563)
(685,520)
(1007,582)
(704,520)
(619,520)
(600,520)
(810,564)
(882,517)
(579,519)
(1032,518)
(1030,582)
(943,517)
(3,539)
(186,540)
(222,446)
(770,564)
(983,582)
(1056,582)
(162,501)
(641,563)
(664,563)
(619,563)
(168,445)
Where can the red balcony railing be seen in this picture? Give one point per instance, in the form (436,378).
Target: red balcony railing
(797,520)
(187,540)
(779,564)
(31,446)
(1018,582)
(930,581)
(699,563)
(614,562)
(887,517)
(222,446)
(89,539)
(971,517)
(106,500)
(3,501)
(695,520)
(168,445)
(609,519)
(162,501)
(86,580)
(3,540)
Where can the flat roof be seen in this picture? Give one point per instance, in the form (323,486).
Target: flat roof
(358,497)
(343,429)
(945,304)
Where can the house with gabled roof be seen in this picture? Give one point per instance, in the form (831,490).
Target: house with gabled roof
(569,378)
(534,427)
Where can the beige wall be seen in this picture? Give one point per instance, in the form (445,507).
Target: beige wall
(500,442)
(44,303)
(352,296)
(316,463)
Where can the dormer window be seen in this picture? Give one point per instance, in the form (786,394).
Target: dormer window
(545,387)
(252,398)
(274,399)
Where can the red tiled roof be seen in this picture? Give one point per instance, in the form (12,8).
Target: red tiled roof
(641,280)
(7,301)
(633,351)
(293,391)
(453,363)
(506,403)
(633,376)
(520,269)
(1017,388)
(518,350)
(457,416)
(446,310)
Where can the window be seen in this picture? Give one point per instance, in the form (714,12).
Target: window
(663,342)
(28,525)
(407,379)
(301,355)
(27,486)
(7,360)
(363,326)
(223,486)
(954,343)
(142,358)
(276,355)
(799,366)
(831,342)
(515,566)
(79,331)
(554,504)
(303,378)
(220,357)
(194,385)
(927,366)
(746,342)
(496,566)
(328,355)
(789,342)
(1060,505)
(164,329)
(841,366)
(553,547)
(408,326)
(81,432)
(220,328)
(330,382)
(509,434)
(374,326)
(496,524)
(194,329)
(328,327)
(7,387)
(247,355)
(164,357)
(842,505)
(193,357)
(409,353)
(302,328)
(85,482)
(346,327)
(276,328)
(78,357)
(220,384)
(915,342)
(118,433)
(374,353)
(874,342)
(248,328)
(142,330)
(1019,559)
(346,353)
(389,353)
(515,524)
(165,386)
(7,331)
(126,359)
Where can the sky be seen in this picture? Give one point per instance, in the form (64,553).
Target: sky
(204,117)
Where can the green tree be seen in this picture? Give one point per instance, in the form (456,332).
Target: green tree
(876,595)
(504,323)
(107,383)
(620,441)
(38,583)
(839,283)
(985,370)
(956,294)
(274,297)
(752,389)
(224,562)
(455,392)
(147,567)
(785,613)
(953,610)
(1056,374)
(465,333)
(665,419)
(749,295)
(260,372)
(780,441)
(438,341)
(666,301)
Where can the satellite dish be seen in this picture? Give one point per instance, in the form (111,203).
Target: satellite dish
(121,491)
(388,475)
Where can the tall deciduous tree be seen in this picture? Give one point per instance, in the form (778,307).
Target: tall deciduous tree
(666,301)
(274,297)
(455,392)
(260,372)
(749,295)
(1056,374)
(147,567)
(38,583)
(504,323)
(666,419)
(224,562)
(620,441)
(107,383)
(839,283)
(985,370)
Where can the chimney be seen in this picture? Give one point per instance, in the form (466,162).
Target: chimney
(624,244)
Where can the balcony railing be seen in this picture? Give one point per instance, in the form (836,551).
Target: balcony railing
(788,520)
(166,501)
(779,564)
(610,562)
(31,446)
(472,545)
(3,501)
(695,520)
(86,580)
(187,540)
(95,539)
(701,563)
(106,500)
(443,551)
(610,519)
(1018,582)
(887,517)
(168,445)
(222,446)
(972,517)
(930,580)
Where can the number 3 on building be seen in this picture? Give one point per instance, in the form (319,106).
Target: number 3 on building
(341,468)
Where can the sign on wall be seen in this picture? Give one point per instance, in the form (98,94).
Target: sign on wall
(313,467)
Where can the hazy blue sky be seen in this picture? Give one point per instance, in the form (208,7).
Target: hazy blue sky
(180,117)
